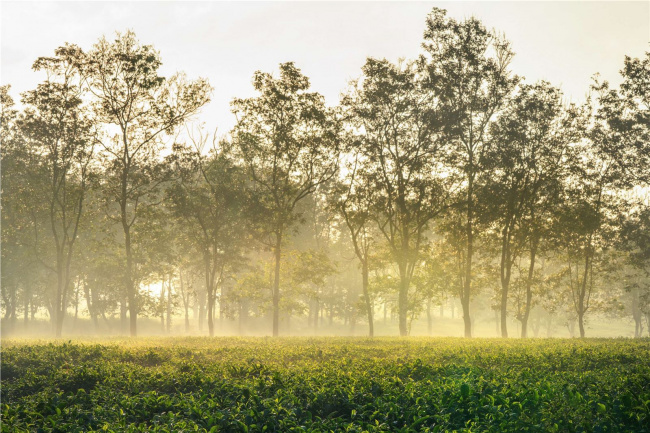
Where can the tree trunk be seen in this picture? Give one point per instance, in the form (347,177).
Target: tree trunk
(130,286)
(202,301)
(123,318)
(366,295)
(89,304)
(581,325)
(581,298)
(93,296)
(26,307)
(529,289)
(209,287)
(467,283)
(210,314)
(504,312)
(466,318)
(276,286)
(161,304)
(169,304)
(403,301)
(76,302)
(429,318)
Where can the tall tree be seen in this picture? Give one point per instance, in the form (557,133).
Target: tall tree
(468,69)
(208,199)
(354,202)
(635,237)
(287,140)
(15,189)
(528,154)
(140,109)
(625,116)
(587,219)
(399,142)
(57,128)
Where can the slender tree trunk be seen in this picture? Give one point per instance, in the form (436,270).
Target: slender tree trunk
(429,318)
(161,304)
(169,304)
(76,302)
(89,303)
(276,286)
(581,324)
(403,301)
(202,301)
(467,283)
(529,290)
(26,307)
(94,300)
(210,314)
(10,314)
(505,272)
(504,311)
(123,318)
(187,319)
(581,297)
(58,300)
(209,286)
(128,279)
(366,296)
(636,314)
(186,301)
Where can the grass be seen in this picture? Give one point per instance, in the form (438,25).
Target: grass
(326,384)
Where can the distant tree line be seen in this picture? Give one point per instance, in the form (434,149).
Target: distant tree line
(439,179)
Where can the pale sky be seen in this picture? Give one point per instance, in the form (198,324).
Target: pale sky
(562,42)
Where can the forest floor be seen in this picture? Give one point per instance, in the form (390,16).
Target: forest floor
(326,384)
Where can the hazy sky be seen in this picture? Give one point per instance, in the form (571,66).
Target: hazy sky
(563,42)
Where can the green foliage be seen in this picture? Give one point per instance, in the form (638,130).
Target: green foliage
(251,385)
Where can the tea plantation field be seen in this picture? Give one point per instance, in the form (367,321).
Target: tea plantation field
(326,384)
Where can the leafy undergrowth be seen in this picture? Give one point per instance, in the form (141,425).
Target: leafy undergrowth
(326,384)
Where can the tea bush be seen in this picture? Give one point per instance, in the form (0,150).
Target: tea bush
(326,384)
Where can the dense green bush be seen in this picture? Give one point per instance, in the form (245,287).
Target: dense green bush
(337,384)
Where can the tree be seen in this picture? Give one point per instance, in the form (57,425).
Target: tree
(526,160)
(139,108)
(402,154)
(287,140)
(467,69)
(635,239)
(625,114)
(208,200)
(593,201)
(354,202)
(587,220)
(14,217)
(58,129)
